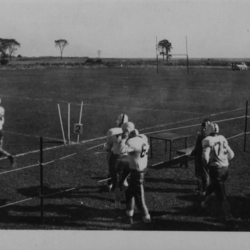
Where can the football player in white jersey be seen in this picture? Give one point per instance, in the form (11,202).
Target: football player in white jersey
(216,155)
(2,151)
(122,118)
(136,147)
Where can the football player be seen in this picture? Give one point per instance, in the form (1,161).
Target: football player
(201,172)
(122,118)
(216,156)
(2,151)
(136,147)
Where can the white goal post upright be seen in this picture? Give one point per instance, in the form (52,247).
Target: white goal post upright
(69,122)
(80,120)
(60,116)
(77,127)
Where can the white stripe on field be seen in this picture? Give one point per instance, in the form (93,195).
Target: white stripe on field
(237,135)
(34,165)
(36,136)
(18,169)
(193,125)
(13,203)
(103,137)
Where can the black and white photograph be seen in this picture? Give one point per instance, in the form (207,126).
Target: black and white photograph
(125,124)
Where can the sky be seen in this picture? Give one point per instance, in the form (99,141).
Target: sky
(128,28)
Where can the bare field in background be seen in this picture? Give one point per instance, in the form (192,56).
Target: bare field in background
(170,100)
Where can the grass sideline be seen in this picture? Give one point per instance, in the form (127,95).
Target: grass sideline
(168,100)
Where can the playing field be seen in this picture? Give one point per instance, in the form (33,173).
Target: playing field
(170,100)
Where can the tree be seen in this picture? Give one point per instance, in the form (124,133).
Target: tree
(9,45)
(3,47)
(165,46)
(12,45)
(61,43)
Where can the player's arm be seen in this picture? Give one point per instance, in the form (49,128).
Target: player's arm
(107,146)
(206,154)
(230,152)
(126,147)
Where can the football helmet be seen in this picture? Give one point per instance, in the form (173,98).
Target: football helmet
(128,127)
(205,123)
(212,128)
(121,119)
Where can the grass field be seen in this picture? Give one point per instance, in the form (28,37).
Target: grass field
(170,100)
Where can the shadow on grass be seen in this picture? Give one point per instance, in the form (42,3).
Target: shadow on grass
(240,209)
(84,209)
(76,209)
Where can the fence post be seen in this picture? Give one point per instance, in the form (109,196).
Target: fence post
(41,179)
(245,134)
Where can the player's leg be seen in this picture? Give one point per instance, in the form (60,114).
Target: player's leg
(138,179)
(197,175)
(112,170)
(220,192)
(210,189)
(117,182)
(130,203)
(9,156)
(204,180)
(5,153)
(124,174)
(109,162)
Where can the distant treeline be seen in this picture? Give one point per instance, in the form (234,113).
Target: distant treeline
(114,62)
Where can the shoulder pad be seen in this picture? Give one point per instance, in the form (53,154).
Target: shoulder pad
(208,141)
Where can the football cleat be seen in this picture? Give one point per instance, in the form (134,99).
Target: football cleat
(146,219)
(109,187)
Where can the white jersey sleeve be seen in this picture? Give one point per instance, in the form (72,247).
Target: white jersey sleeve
(1,117)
